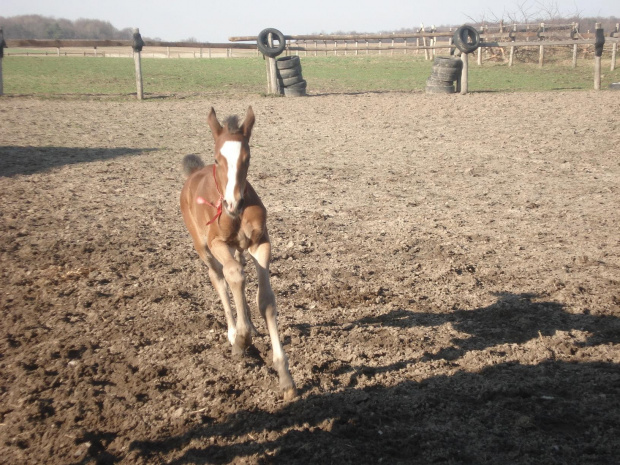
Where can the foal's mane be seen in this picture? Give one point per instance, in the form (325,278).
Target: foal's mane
(232,124)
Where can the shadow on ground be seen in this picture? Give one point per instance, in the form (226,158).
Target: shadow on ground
(553,412)
(512,319)
(30,160)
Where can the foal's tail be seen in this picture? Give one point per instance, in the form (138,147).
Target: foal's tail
(192,163)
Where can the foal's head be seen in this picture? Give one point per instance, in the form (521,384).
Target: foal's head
(232,158)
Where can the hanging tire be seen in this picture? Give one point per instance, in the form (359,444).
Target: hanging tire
(448,62)
(439,87)
(466,39)
(288,62)
(263,43)
(445,74)
(289,72)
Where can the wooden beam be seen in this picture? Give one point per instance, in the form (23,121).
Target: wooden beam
(359,37)
(40,43)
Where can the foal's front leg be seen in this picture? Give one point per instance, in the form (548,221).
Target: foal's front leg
(235,277)
(266,300)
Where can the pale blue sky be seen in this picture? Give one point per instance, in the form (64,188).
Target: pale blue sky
(215,21)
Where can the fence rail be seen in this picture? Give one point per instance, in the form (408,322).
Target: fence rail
(72,43)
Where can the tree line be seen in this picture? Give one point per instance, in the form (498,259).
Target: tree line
(41,27)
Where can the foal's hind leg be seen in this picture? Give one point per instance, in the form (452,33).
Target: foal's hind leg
(267,305)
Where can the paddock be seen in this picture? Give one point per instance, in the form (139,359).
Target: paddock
(447,273)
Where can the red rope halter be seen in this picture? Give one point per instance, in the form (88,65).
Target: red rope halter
(218,206)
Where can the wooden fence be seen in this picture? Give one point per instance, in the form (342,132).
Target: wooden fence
(428,42)
(431,42)
(495,41)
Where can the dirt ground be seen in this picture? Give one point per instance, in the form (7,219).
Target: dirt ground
(447,270)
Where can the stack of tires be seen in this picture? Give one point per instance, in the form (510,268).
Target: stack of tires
(446,70)
(289,75)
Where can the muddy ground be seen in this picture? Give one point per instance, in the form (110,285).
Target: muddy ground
(447,270)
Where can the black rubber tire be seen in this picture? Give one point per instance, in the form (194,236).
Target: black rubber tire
(288,82)
(289,72)
(288,62)
(446,74)
(439,87)
(299,85)
(448,62)
(295,91)
(614,86)
(263,44)
(466,39)
(440,90)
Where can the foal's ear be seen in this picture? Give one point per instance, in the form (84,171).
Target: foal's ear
(214,124)
(248,123)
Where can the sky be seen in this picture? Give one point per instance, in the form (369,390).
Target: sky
(216,21)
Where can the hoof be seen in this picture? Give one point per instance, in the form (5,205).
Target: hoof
(238,351)
(289,394)
(241,344)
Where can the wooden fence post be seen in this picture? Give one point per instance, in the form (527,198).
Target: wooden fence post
(273,86)
(598,53)
(512,49)
(2,47)
(614,49)
(575,55)
(480,49)
(575,48)
(138,43)
(424,44)
(465,73)
(541,56)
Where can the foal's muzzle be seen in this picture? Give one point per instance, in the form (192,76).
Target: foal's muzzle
(235,209)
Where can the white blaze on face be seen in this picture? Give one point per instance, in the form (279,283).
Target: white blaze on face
(231,150)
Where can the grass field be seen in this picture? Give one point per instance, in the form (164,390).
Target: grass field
(114,77)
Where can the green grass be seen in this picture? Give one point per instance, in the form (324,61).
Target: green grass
(114,77)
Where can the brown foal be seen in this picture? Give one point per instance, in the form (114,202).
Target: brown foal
(225,217)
